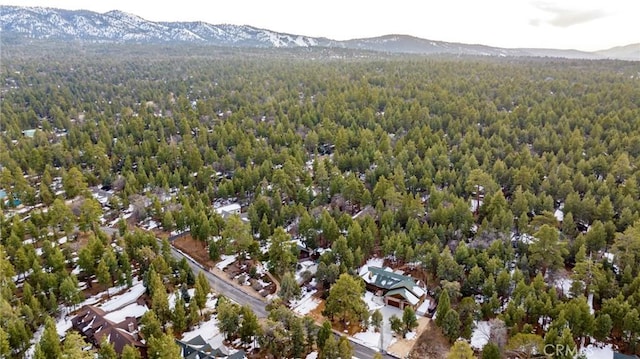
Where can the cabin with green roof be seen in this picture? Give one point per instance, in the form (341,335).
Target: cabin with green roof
(396,289)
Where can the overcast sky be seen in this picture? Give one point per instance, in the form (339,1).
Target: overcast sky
(578,24)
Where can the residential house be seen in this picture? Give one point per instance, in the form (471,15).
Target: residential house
(396,289)
(198,348)
(92,323)
(229,210)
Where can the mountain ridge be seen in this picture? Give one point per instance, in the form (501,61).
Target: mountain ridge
(117,26)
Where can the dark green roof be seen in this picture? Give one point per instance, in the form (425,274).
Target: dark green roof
(389,280)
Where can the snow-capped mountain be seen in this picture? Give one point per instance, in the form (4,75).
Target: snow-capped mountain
(119,27)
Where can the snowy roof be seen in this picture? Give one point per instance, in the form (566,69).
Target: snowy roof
(233,207)
(395,283)
(404,293)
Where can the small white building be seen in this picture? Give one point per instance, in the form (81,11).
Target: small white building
(229,210)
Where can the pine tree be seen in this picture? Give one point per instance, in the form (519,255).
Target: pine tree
(344,348)
(409,319)
(130,352)
(461,350)
(202,289)
(107,350)
(289,288)
(451,325)
(491,351)
(163,347)
(50,342)
(179,317)
(444,305)
(330,349)
(376,320)
(249,326)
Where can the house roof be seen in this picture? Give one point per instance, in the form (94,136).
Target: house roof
(394,283)
(404,293)
(198,348)
(230,208)
(386,279)
(91,322)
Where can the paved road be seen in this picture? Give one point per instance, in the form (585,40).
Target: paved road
(221,286)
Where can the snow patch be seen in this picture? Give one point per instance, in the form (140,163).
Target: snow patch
(226,261)
(480,335)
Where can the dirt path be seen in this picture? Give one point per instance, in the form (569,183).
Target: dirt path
(403,347)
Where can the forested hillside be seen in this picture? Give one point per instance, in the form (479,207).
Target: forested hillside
(510,186)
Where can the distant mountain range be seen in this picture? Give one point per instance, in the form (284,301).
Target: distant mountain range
(24,23)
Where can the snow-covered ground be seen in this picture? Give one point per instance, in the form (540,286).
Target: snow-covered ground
(371,339)
(119,301)
(173,296)
(480,335)
(475,204)
(564,286)
(595,352)
(306,304)
(373,262)
(304,266)
(559,214)
(207,330)
(226,261)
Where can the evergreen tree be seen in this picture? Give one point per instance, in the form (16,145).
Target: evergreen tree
(107,350)
(49,342)
(130,352)
(451,325)
(345,300)
(444,305)
(249,326)
(491,351)
(376,320)
(163,347)
(409,319)
(179,317)
(461,350)
(289,288)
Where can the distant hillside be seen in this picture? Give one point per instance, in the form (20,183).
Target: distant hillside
(628,52)
(24,23)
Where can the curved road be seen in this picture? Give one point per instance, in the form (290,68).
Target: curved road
(236,294)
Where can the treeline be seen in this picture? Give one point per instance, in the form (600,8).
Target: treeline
(462,162)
